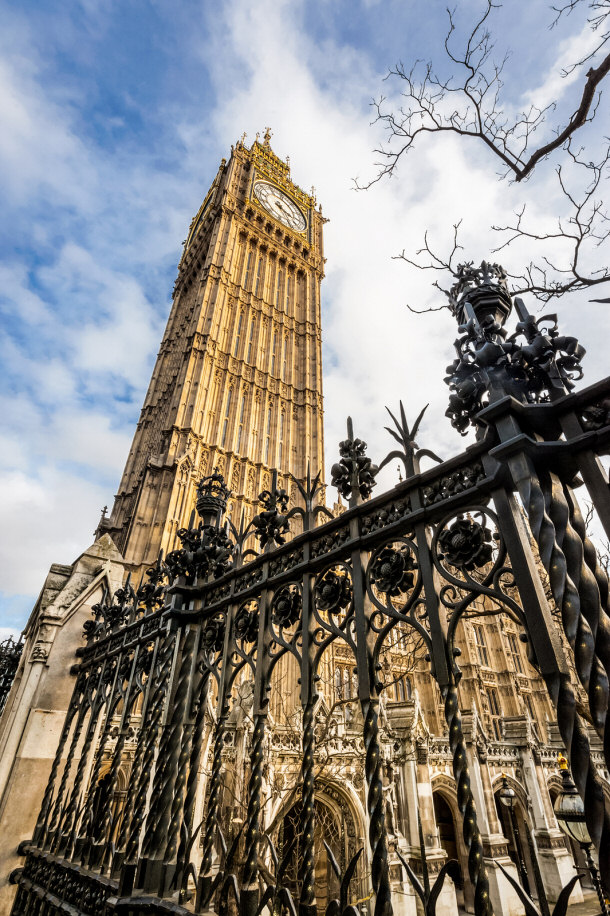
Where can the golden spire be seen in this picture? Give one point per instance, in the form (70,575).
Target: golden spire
(267,138)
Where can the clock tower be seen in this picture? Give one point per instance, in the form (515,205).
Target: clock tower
(238,379)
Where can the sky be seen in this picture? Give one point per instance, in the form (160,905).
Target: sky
(113,119)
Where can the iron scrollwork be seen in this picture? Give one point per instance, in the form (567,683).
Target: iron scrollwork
(215,613)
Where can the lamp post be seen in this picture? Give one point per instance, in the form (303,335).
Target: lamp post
(507,797)
(570,814)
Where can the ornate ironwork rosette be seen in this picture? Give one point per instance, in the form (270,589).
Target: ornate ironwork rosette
(465,544)
(393,570)
(287,606)
(333,591)
(246,623)
(214,633)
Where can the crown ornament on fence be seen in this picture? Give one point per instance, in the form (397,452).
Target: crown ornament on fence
(212,496)
(485,288)
(535,364)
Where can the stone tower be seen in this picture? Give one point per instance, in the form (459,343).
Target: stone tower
(238,379)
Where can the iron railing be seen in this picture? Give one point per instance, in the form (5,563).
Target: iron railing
(10,654)
(420,556)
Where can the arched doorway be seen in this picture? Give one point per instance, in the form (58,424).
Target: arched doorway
(453,844)
(330,828)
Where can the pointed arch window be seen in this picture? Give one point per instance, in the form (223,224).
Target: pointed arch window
(240,428)
(481,644)
(238,334)
(248,269)
(494,708)
(225,425)
(279,287)
(289,285)
(281,440)
(338,683)
(515,653)
(273,352)
(250,339)
(259,273)
(268,436)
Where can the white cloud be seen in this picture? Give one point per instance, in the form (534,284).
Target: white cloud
(49,519)
(115,221)
(563,73)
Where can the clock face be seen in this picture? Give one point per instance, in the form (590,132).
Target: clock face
(280,206)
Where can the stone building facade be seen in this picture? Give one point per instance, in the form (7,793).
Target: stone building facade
(238,386)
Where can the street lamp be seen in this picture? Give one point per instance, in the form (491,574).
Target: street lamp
(570,813)
(507,797)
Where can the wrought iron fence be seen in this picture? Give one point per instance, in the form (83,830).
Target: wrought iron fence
(420,556)
(10,653)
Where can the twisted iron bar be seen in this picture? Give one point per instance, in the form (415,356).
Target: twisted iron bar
(193,778)
(576,592)
(471,833)
(159,806)
(591,558)
(594,579)
(178,751)
(134,781)
(211,822)
(254,802)
(45,809)
(148,756)
(380,874)
(68,819)
(572,731)
(105,831)
(88,828)
(308,821)
(52,833)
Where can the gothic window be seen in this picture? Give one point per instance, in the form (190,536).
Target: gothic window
(408,688)
(481,644)
(513,646)
(347,682)
(268,436)
(494,708)
(214,406)
(238,335)
(248,269)
(284,358)
(338,683)
(281,438)
(273,352)
(400,689)
(259,271)
(226,421)
(279,287)
(289,283)
(250,339)
(527,699)
(240,428)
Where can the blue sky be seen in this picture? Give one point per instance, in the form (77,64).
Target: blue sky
(114,116)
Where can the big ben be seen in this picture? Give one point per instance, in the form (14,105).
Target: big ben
(237,383)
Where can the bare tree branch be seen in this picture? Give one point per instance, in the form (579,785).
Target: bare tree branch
(470,103)
(435,262)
